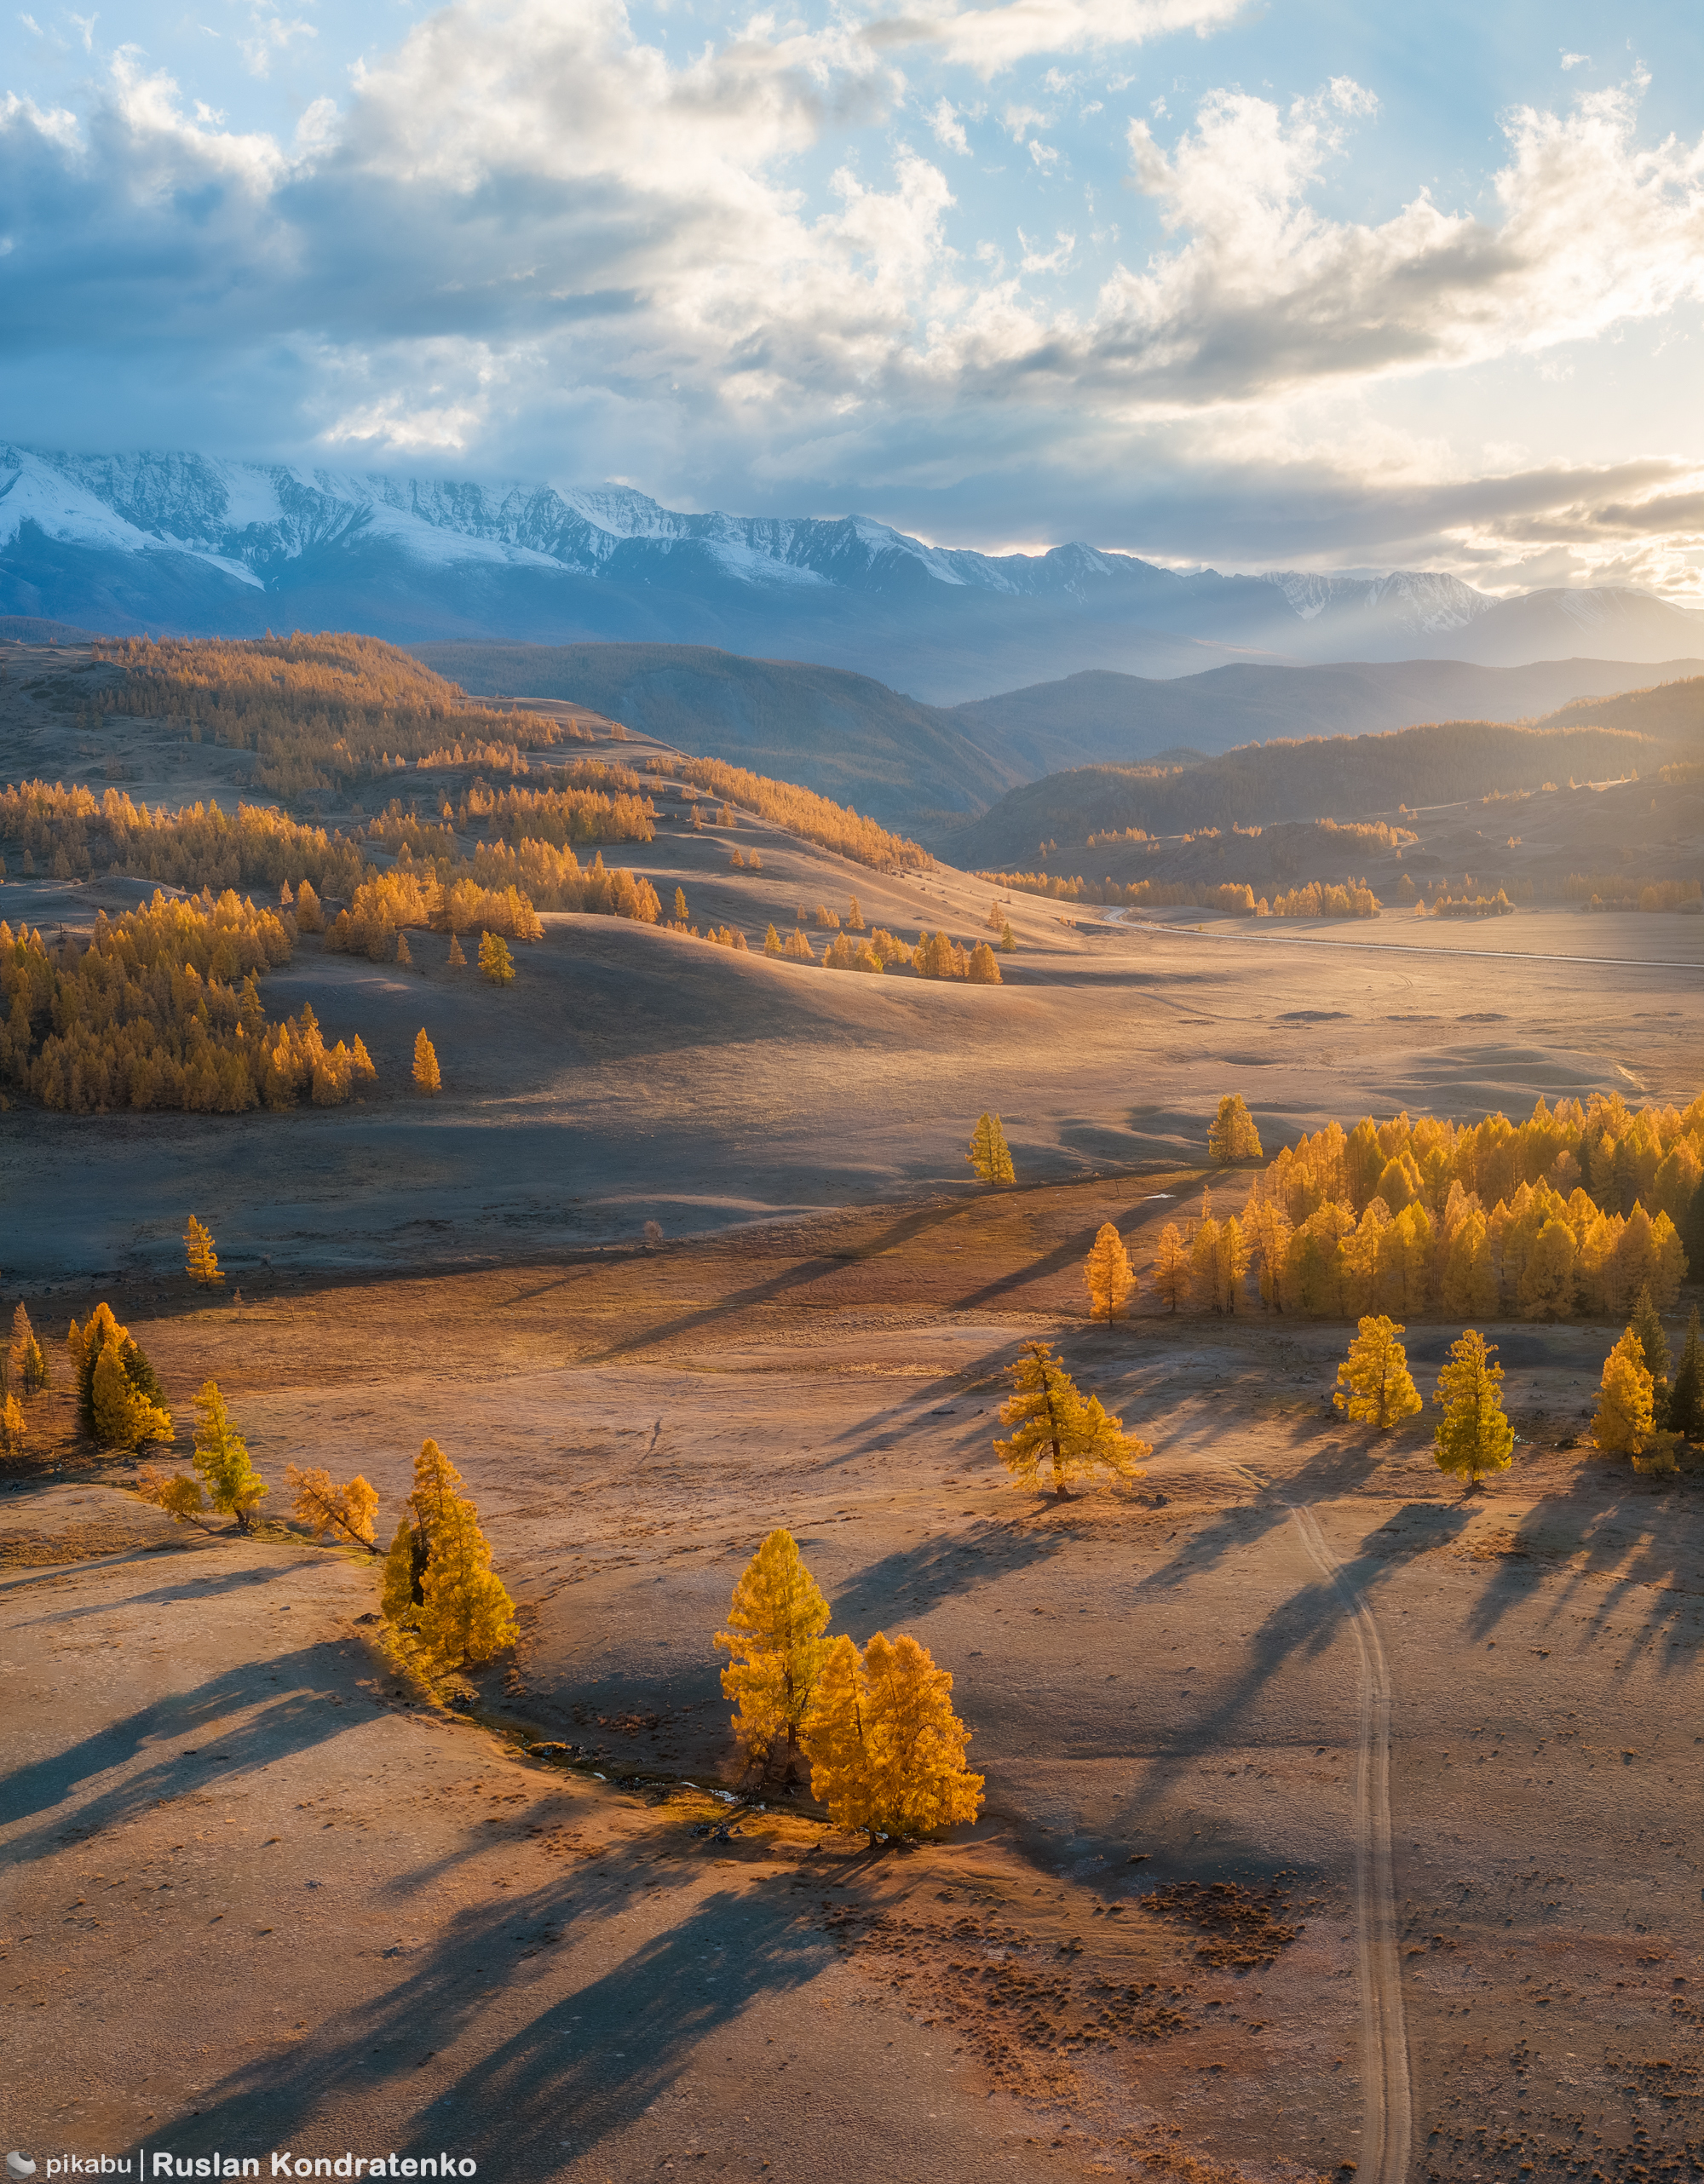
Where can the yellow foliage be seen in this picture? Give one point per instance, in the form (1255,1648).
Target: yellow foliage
(1374,1387)
(989,1154)
(1473,1436)
(1052,1422)
(1625,1400)
(222,1457)
(427,1077)
(801,812)
(776,1619)
(124,1418)
(201,1263)
(330,1509)
(887,1751)
(1232,1135)
(1108,1273)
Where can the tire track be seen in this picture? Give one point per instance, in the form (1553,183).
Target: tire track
(1388,2121)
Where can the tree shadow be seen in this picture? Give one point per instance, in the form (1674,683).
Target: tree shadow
(588,2063)
(245,1579)
(1547,1543)
(1306,1623)
(293,1721)
(798,1276)
(918,1579)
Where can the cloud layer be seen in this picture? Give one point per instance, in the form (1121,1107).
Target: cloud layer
(527,239)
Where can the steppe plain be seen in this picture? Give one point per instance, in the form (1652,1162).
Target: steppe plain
(1332,1818)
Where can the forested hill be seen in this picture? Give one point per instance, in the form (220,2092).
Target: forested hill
(1673,712)
(1335,776)
(841,734)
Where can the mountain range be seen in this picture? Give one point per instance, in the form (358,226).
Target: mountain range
(190,544)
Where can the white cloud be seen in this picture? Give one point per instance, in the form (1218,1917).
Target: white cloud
(1576,60)
(1035,260)
(1044,156)
(990,40)
(946,127)
(85,25)
(272,36)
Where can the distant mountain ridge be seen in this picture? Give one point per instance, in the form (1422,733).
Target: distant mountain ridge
(926,768)
(187,542)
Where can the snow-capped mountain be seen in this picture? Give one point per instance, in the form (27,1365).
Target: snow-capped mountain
(183,542)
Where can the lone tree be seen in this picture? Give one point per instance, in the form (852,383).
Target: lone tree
(887,1751)
(989,1154)
(329,1508)
(1473,1436)
(222,1457)
(1054,1423)
(495,961)
(1625,1418)
(1374,1387)
(426,1077)
(1232,1135)
(1647,1327)
(1686,1397)
(776,1650)
(1109,1274)
(201,1261)
(462,1611)
(458,956)
(678,913)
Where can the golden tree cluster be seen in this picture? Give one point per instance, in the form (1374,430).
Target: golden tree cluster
(439,1584)
(161,1008)
(801,812)
(875,1723)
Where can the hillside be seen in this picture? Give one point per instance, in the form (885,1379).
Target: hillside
(1323,778)
(914,764)
(1129,719)
(841,734)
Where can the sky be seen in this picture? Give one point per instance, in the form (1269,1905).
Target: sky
(1234,283)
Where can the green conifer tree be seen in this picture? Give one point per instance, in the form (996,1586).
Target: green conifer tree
(1686,1395)
(222,1457)
(1653,1347)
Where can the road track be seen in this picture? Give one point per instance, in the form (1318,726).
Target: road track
(1388,2125)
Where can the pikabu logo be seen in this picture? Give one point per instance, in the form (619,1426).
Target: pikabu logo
(20,2165)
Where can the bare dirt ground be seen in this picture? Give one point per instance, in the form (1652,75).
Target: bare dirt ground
(1204,1925)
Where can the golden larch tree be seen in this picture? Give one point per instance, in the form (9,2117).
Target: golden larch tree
(984,970)
(427,1078)
(468,1614)
(13,1430)
(1473,1436)
(1469,1279)
(1054,1424)
(347,1511)
(996,917)
(402,954)
(1232,1135)
(201,1261)
(989,1154)
(1625,1418)
(772,942)
(178,1495)
(887,1750)
(222,1457)
(1171,1267)
(854,916)
(465,1614)
(123,1415)
(776,1649)
(495,962)
(458,956)
(26,1362)
(1108,1273)
(678,913)
(1374,1385)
